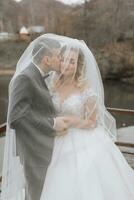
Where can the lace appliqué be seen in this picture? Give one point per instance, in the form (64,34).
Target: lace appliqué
(76,104)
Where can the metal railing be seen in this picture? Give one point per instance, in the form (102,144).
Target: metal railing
(122,112)
(2,128)
(112,110)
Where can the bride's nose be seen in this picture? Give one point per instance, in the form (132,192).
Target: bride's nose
(61,61)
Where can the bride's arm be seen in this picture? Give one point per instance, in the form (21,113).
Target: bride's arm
(89,118)
(90,115)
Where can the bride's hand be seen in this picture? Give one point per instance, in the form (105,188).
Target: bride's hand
(72,120)
(77,122)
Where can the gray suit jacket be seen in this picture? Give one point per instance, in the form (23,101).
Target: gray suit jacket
(31,115)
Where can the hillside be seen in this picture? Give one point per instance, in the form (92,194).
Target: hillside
(107,26)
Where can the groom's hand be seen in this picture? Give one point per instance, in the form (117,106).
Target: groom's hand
(61,126)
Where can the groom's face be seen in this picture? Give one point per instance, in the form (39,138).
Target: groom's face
(55,60)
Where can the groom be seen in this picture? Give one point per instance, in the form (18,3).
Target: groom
(33,116)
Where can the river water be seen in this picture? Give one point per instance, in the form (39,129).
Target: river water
(117,95)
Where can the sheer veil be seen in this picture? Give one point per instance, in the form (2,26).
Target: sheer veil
(13,178)
(13,181)
(90,74)
(93,75)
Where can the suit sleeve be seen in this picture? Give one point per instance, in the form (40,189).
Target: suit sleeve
(20,108)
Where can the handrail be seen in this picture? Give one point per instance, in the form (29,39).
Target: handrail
(2,128)
(125,144)
(113,110)
(129,153)
(121,111)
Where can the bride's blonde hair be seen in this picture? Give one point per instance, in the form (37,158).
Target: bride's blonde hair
(79,75)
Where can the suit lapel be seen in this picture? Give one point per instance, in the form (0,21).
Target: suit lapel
(39,76)
(34,72)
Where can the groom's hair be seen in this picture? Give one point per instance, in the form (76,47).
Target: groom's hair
(44,46)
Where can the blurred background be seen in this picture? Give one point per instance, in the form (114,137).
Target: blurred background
(107,26)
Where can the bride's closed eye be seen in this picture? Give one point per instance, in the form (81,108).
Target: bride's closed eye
(71,61)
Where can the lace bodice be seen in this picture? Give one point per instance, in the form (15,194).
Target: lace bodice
(74,104)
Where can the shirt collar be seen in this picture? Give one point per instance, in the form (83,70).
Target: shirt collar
(40,70)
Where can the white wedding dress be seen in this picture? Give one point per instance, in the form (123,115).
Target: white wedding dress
(86,164)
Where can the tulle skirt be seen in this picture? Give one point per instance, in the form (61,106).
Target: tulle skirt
(87,165)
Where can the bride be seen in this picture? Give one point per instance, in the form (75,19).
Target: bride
(85,164)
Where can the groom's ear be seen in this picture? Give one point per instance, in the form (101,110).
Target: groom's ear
(46,60)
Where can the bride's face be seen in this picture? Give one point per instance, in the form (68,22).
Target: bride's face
(69,64)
